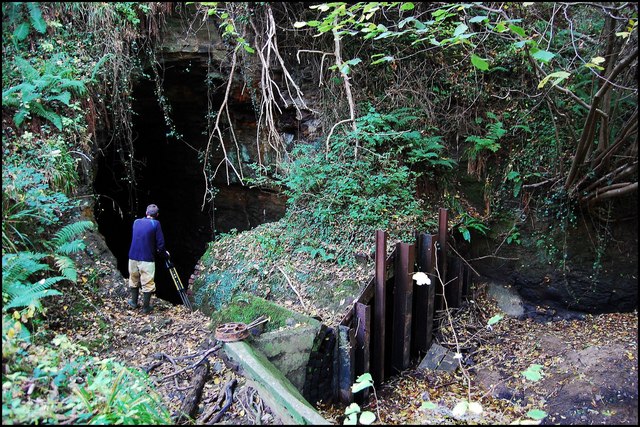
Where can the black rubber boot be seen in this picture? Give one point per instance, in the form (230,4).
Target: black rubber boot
(133,301)
(146,302)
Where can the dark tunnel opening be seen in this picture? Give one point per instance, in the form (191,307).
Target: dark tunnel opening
(169,174)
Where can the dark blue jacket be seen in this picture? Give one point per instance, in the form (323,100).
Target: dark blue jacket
(147,240)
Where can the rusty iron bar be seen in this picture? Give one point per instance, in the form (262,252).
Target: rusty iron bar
(378,345)
(402,307)
(424,295)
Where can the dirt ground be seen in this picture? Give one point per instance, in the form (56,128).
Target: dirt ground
(589,366)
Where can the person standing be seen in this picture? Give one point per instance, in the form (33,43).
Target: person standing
(147,242)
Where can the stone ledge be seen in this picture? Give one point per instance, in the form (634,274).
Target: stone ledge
(282,397)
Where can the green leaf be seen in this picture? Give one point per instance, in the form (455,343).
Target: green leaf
(428,405)
(478,18)
(495,319)
(354,408)
(533,372)
(367,417)
(362,382)
(543,55)
(383,59)
(22,31)
(536,414)
(460,29)
(500,27)
(36,18)
(460,409)
(479,63)
(518,30)
(407,6)
(559,76)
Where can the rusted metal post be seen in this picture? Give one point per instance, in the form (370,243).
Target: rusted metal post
(402,307)
(423,296)
(378,336)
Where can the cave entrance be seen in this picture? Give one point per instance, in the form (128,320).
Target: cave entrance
(169,174)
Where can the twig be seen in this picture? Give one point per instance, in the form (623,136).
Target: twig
(292,287)
(465,261)
(213,349)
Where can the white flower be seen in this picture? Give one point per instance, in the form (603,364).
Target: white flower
(421,278)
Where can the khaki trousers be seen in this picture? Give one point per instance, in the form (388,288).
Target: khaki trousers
(141,273)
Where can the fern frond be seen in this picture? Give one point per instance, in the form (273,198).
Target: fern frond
(18,267)
(37,21)
(26,295)
(76,86)
(69,232)
(96,67)
(47,114)
(67,267)
(71,247)
(26,69)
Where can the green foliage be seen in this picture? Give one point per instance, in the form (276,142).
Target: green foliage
(23,17)
(227,23)
(131,10)
(26,280)
(488,142)
(109,393)
(246,308)
(353,412)
(24,284)
(468,223)
(495,319)
(513,236)
(17,288)
(533,372)
(39,91)
(336,196)
(64,244)
(34,173)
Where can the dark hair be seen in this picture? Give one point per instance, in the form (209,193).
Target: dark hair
(152,210)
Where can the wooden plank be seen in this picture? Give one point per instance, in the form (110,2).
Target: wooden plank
(363,342)
(402,300)
(379,309)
